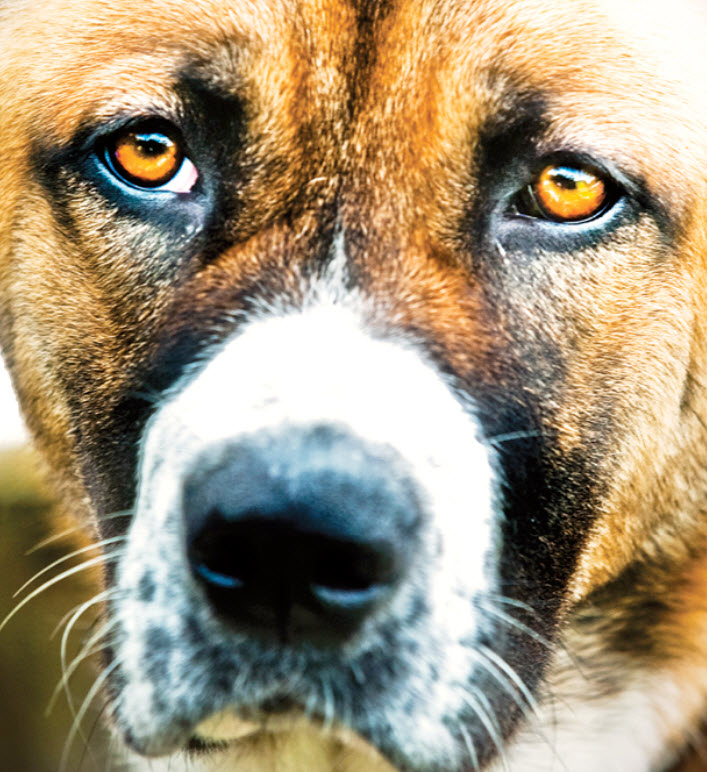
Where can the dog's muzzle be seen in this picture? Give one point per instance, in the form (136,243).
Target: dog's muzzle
(299,535)
(315,518)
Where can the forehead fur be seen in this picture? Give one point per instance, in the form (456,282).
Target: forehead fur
(615,77)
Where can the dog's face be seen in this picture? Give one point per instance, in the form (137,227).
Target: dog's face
(376,330)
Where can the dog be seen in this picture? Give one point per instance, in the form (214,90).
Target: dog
(368,339)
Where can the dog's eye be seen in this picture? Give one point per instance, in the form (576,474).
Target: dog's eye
(566,194)
(152,157)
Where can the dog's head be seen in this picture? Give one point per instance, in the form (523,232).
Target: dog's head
(374,329)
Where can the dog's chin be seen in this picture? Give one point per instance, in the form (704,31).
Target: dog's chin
(270,738)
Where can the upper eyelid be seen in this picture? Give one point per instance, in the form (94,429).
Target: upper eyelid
(101,131)
(622,174)
(575,160)
(611,170)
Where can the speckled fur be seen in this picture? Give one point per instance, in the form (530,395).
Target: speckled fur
(544,385)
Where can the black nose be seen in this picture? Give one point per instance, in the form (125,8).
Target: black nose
(302,535)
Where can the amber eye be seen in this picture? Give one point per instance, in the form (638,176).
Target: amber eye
(145,156)
(569,194)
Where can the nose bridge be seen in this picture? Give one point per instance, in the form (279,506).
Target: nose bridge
(319,477)
(319,364)
(319,367)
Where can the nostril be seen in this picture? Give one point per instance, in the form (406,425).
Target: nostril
(352,567)
(224,556)
(217,578)
(352,578)
(349,602)
(265,572)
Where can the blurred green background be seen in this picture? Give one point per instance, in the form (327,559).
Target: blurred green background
(30,740)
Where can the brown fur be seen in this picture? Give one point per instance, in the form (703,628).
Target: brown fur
(390,137)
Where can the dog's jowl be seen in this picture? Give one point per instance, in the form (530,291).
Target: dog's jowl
(383,324)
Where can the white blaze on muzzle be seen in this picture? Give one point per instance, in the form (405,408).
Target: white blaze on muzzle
(318,367)
(294,373)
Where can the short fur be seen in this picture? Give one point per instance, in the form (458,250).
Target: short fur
(359,156)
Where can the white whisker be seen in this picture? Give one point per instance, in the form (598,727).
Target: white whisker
(489,723)
(67,616)
(50,583)
(64,558)
(329,706)
(499,439)
(84,652)
(471,748)
(78,719)
(55,537)
(518,625)
(514,603)
(500,666)
(87,650)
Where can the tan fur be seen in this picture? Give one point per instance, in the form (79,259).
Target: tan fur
(630,319)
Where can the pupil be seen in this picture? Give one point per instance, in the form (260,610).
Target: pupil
(566,179)
(153,144)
